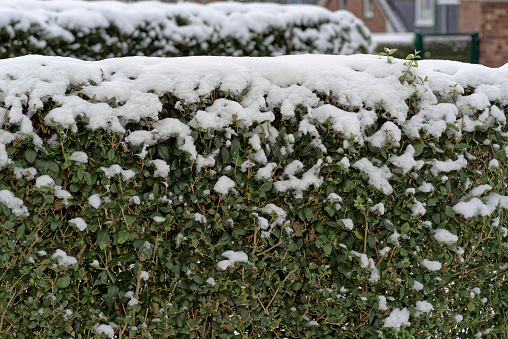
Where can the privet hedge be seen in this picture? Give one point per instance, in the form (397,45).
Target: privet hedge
(102,29)
(286,197)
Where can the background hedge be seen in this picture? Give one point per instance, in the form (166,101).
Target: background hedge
(99,30)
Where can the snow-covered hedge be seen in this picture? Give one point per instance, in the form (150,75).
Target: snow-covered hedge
(104,29)
(296,196)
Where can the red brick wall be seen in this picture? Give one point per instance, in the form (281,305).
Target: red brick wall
(494,41)
(332,5)
(490,18)
(470,16)
(377,23)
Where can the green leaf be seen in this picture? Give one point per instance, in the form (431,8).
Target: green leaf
(465,146)
(112,292)
(450,212)
(441,308)
(164,153)
(418,148)
(349,185)
(80,172)
(102,278)
(123,236)
(296,286)
(319,227)
(267,186)
(9,225)
(131,219)
(372,241)
(30,155)
(328,249)
(63,281)
(470,307)
(53,166)
(308,212)
(111,154)
(405,228)
(73,188)
(225,155)
(402,291)
(20,233)
(358,235)
(198,279)
(103,236)
(432,201)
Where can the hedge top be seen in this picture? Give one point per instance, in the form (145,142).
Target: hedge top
(361,81)
(111,93)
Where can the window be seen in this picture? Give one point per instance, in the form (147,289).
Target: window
(368,9)
(342,4)
(424,15)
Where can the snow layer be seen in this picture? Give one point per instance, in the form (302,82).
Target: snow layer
(111,171)
(161,168)
(423,307)
(95,200)
(484,207)
(79,157)
(406,161)
(397,319)
(224,185)
(63,259)
(377,176)
(445,236)
(448,165)
(15,204)
(362,81)
(44,181)
(108,330)
(28,173)
(382,303)
(79,223)
(418,286)
(309,178)
(232,257)
(431,265)
(366,262)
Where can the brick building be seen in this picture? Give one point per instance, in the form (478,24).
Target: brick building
(490,18)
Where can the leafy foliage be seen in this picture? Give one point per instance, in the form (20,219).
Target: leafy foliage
(147,260)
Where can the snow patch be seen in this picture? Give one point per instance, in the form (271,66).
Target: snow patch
(377,176)
(224,185)
(13,203)
(397,319)
(63,259)
(232,258)
(431,265)
(445,236)
(79,223)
